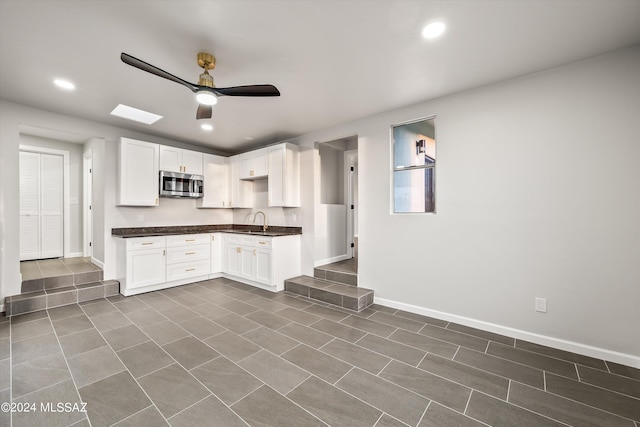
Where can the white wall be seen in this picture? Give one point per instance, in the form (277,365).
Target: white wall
(538,195)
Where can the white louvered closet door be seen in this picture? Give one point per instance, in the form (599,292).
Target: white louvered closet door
(41,208)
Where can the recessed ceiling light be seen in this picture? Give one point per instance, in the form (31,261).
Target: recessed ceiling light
(64,84)
(433,30)
(135,114)
(206,126)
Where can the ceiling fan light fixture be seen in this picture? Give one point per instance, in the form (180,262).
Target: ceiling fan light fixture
(206,97)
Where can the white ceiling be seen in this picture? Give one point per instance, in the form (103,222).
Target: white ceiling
(333,61)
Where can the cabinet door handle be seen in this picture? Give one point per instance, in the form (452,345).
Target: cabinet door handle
(189,253)
(262,243)
(164,252)
(146,243)
(254,252)
(238,250)
(213,237)
(189,240)
(156,201)
(251,172)
(190,269)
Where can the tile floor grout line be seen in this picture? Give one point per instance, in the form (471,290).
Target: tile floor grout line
(126,369)
(66,362)
(424,413)
(342,390)
(574,401)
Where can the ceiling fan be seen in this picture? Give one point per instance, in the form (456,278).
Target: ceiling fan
(206,92)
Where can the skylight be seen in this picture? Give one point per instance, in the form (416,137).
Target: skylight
(135,114)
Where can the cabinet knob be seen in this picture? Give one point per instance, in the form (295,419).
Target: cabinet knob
(254,252)
(238,250)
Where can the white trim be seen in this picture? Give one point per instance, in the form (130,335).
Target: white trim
(350,160)
(574,347)
(98,263)
(87,200)
(66,192)
(74,255)
(331,260)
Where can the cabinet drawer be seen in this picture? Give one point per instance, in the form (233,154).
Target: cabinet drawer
(239,239)
(188,253)
(188,269)
(188,239)
(262,243)
(145,243)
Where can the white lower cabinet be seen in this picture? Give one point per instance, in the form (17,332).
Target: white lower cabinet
(265,262)
(141,263)
(151,263)
(188,256)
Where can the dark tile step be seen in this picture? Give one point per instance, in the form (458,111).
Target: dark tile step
(57,297)
(347,296)
(343,277)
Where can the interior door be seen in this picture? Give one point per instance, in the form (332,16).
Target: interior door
(41,205)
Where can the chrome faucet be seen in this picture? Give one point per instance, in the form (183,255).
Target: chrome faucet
(264,223)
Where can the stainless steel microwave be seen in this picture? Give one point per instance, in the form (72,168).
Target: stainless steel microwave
(176,184)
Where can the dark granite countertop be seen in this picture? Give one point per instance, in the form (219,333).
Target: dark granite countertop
(272,231)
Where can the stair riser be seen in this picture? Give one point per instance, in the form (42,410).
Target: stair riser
(336,276)
(43,300)
(35,285)
(346,301)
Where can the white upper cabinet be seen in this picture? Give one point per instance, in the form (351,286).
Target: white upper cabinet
(254,164)
(216,183)
(284,175)
(138,173)
(178,160)
(241,190)
(192,162)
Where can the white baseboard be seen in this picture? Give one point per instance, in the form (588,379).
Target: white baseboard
(74,255)
(574,347)
(98,263)
(330,260)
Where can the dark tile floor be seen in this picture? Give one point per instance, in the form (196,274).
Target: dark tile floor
(222,353)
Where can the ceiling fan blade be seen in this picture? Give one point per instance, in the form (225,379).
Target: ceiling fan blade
(144,66)
(250,90)
(204,112)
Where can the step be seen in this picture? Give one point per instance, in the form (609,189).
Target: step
(328,272)
(28,302)
(347,296)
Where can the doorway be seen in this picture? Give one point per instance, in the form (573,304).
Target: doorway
(43,193)
(337,201)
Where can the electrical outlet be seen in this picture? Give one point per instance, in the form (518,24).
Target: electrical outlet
(541,305)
